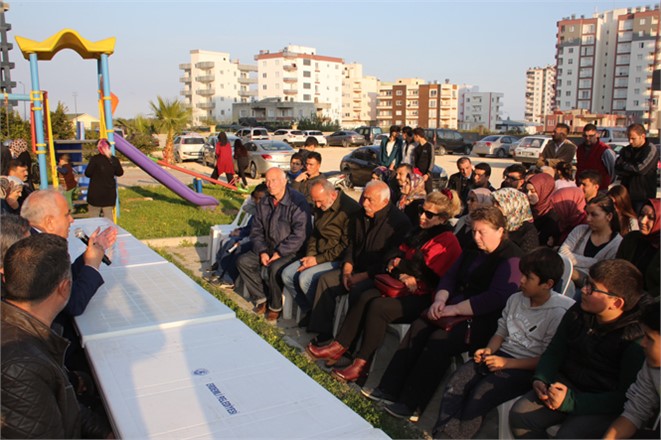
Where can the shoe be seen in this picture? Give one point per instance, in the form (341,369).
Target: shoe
(272,316)
(330,353)
(378,395)
(211,277)
(321,340)
(260,309)
(358,369)
(401,411)
(305,320)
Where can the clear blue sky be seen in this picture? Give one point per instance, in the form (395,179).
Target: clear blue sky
(485,43)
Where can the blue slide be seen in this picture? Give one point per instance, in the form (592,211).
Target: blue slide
(154,170)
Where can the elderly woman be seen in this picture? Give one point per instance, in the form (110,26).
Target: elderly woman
(475,288)
(412,191)
(516,209)
(101,170)
(477,198)
(425,255)
(596,241)
(539,189)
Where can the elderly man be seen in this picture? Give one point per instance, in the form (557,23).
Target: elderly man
(37,399)
(281,226)
(379,228)
(333,212)
(559,149)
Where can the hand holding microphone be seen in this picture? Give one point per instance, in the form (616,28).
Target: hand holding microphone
(95,252)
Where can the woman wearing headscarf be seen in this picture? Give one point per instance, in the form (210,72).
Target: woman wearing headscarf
(642,247)
(19,150)
(539,188)
(102,191)
(569,205)
(412,190)
(516,209)
(463,230)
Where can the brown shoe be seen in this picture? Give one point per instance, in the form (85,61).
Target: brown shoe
(355,371)
(272,316)
(260,309)
(330,353)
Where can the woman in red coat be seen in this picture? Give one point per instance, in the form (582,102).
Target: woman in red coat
(224,163)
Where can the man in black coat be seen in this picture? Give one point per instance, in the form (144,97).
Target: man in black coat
(463,181)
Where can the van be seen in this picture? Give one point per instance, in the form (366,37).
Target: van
(447,141)
(612,134)
(253,134)
(369,133)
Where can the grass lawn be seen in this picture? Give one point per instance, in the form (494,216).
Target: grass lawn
(156,212)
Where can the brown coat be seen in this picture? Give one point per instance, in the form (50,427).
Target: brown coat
(551,157)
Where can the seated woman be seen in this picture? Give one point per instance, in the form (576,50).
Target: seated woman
(539,188)
(411,192)
(628,218)
(569,205)
(642,247)
(477,198)
(426,254)
(596,241)
(477,286)
(516,208)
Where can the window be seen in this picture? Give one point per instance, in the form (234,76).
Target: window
(307,86)
(433,92)
(398,102)
(307,62)
(432,103)
(307,74)
(570,61)
(398,113)
(307,98)
(264,75)
(571,49)
(398,92)
(264,87)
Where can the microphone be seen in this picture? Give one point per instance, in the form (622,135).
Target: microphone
(234,247)
(85,239)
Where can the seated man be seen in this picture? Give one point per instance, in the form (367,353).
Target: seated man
(37,399)
(304,181)
(333,212)
(589,182)
(281,226)
(514,177)
(295,167)
(463,181)
(13,229)
(378,228)
(12,203)
(482,175)
(581,378)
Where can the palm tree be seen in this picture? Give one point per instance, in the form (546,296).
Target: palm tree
(171,117)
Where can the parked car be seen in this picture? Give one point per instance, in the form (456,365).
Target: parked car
(447,141)
(529,149)
(209,149)
(317,135)
(496,145)
(617,146)
(612,134)
(292,137)
(357,168)
(345,138)
(265,154)
(380,137)
(188,147)
(252,134)
(369,133)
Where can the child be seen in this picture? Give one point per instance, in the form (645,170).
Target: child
(503,369)
(582,377)
(643,396)
(67,177)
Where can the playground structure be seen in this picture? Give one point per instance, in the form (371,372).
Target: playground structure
(45,50)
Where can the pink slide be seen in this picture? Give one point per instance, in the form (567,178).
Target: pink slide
(154,170)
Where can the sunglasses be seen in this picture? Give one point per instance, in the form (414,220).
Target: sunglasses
(430,215)
(589,288)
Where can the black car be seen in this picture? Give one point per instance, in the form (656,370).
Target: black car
(447,141)
(357,167)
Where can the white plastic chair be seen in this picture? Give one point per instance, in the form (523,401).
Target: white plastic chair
(219,233)
(566,285)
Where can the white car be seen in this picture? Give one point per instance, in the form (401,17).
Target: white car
(317,135)
(252,134)
(529,149)
(292,137)
(188,147)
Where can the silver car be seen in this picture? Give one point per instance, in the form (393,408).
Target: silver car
(496,145)
(265,154)
(345,138)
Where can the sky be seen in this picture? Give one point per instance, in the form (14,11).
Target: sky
(489,44)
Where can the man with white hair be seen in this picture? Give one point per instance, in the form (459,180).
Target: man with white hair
(372,234)
(279,231)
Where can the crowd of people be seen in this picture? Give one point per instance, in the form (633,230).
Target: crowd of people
(473,269)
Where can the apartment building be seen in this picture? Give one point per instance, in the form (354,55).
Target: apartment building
(413,102)
(605,63)
(540,93)
(359,95)
(297,73)
(479,109)
(212,83)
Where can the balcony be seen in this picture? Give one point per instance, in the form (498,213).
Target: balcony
(247,81)
(185,92)
(205,65)
(206,105)
(204,78)
(290,67)
(290,91)
(185,79)
(205,92)
(185,66)
(247,93)
(290,79)
(247,68)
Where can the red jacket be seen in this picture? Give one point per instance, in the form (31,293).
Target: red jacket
(593,161)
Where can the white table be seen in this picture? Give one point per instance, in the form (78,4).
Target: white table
(214,380)
(90,224)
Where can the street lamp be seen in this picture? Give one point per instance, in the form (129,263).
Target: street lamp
(24,112)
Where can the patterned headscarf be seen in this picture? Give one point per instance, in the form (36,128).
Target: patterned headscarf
(413,190)
(515,207)
(17,146)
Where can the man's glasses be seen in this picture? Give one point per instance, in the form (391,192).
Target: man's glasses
(430,215)
(589,287)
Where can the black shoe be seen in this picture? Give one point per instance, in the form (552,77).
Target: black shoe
(321,340)
(401,411)
(211,277)
(377,395)
(305,321)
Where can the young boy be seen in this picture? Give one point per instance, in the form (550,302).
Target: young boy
(643,396)
(581,378)
(67,177)
(503,369)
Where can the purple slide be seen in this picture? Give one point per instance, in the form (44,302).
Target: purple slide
(153,169)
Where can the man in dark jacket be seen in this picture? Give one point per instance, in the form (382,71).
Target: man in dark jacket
(279,231)
(37,399)
(378,229)
(582,377)
(636,166)
(463,181)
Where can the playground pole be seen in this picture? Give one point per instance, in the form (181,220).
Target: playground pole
(38,100)
(104,87)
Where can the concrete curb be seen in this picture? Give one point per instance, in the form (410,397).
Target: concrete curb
(177,241)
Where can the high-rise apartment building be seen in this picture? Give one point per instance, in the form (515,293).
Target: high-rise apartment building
(479,109)
(297,73)
(540,93)
(359,95)
(413,102)
(604,63)
(213,82)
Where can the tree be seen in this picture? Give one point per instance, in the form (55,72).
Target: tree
(171,117)
(61,125)
(13,127)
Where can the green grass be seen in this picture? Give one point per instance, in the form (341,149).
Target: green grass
(156,212)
